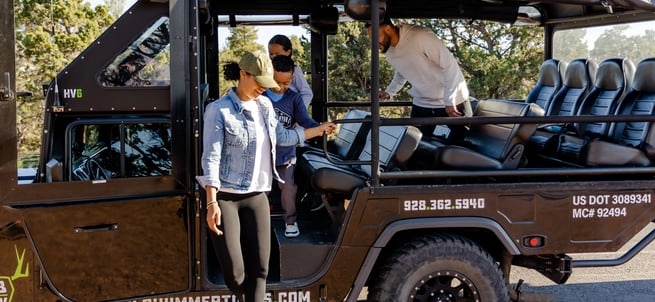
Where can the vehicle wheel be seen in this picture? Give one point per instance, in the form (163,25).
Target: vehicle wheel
(439,268)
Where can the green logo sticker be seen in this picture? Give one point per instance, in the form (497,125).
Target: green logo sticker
(6,282)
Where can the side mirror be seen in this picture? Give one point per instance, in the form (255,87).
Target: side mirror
(360,10)
(324,21)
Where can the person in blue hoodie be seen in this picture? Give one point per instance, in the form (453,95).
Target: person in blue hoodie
(291,111)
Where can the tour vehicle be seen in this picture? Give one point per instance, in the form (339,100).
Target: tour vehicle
(114,211)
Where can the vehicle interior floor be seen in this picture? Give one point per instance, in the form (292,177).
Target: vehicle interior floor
(291,258)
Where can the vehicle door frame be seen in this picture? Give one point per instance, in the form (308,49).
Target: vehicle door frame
(176,189)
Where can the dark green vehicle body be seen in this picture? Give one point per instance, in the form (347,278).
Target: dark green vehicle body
(140,234)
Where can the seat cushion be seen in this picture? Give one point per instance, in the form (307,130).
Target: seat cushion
(491,146)
(599,153)
(329,177)
(464,158)
(397,144)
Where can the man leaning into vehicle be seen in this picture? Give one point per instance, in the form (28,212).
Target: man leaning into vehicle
(438,85)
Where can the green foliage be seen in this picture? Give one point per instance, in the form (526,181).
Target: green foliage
(40,53)
(115,7)
(611,42)
(349,63)
(569,45)
(240,41)
(300,56)
(498,60)
(349,69)
(617,42)
(606,45)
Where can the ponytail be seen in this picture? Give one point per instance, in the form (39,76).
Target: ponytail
(231,71)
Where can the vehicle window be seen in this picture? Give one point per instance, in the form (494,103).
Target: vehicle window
(105,151)
(144,63)
(633,41)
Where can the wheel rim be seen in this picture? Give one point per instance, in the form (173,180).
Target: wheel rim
(444,286)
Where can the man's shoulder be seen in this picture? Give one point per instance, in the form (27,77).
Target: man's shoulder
(415,28)
(419,34)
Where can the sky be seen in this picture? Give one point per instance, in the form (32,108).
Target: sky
(264,33)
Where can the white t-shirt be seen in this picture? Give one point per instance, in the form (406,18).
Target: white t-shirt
(262,176)
(432,70)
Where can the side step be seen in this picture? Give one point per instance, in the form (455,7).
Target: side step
(303,256)
(643,243)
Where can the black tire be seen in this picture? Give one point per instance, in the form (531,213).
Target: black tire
(439,268)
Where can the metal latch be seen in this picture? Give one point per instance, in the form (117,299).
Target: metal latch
(6,94)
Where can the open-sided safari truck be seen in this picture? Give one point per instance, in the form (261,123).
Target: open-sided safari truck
(114,211)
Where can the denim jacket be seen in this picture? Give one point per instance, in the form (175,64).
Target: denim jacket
(229,143)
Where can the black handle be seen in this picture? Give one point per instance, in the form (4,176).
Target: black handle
(96,228)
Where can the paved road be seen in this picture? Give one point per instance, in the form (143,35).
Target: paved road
(632,281)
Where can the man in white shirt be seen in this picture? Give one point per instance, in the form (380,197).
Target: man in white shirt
(438,85)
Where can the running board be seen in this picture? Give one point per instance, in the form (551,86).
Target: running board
(618,261)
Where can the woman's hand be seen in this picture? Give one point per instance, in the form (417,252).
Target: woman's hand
(214,218)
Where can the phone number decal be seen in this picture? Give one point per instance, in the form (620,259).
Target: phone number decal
(606,205)
(443,204)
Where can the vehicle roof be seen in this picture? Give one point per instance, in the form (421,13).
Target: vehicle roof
(496,10)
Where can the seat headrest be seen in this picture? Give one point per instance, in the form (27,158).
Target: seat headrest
(550,72)
(356,114)
(643,80)
(614,73)
(580,73)
(493,108)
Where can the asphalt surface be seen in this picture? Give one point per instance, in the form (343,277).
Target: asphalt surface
(632,281)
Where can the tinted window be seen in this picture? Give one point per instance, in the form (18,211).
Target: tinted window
(144,63)
(111,150)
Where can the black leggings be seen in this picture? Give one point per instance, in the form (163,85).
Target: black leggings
(244,248)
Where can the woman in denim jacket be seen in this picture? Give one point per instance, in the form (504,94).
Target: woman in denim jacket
(240,134)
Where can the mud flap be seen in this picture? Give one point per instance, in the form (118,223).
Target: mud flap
(555,267)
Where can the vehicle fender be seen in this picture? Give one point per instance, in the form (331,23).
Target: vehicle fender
(426,223)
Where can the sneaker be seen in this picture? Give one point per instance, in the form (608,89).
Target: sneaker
(292,230)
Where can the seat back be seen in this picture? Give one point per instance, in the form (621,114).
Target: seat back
(577,82)
(397,144)
(500,141)
(548,83)
(640,100)
(613,79)
(351,136)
